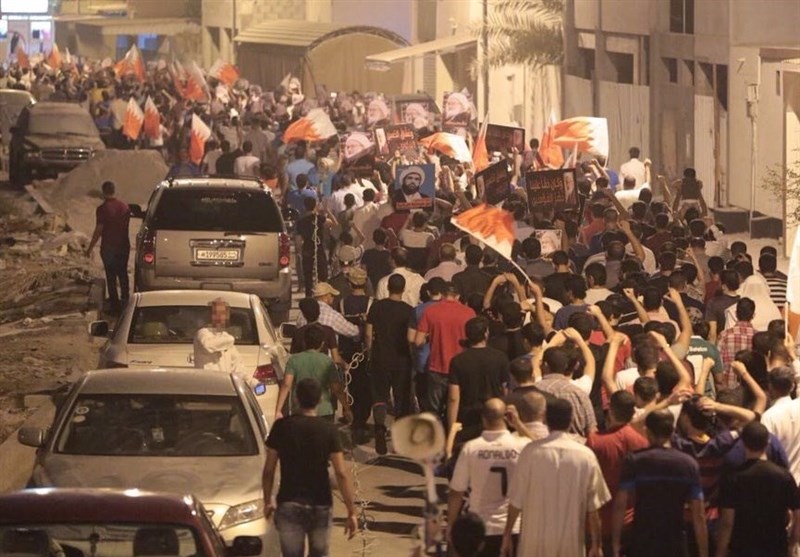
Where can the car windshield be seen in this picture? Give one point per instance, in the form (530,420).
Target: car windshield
(179,325)
(99,540)
(62,124)
(218,209)
(157,425)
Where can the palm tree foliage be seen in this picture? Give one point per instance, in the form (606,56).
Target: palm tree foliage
(522,32)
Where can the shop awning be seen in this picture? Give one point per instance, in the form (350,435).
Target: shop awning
(382,61)
(286,32)
(145,26)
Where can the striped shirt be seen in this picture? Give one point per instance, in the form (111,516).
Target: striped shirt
(777,290)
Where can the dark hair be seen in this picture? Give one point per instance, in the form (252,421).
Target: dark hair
(701,329)
(716,264)
(436,286)
(309,203)
(634,152)
(583,323)
(782,381)
(660,423)
(677,280)
(560,258)
(557,359)
(662,221)
(396,284)
(534,334)
(475,331)
(645,353)
(400,257)
(699,418)
(645,388)
(512,315)
(368,194)
(473,254)
(379,236)
(744,269)
(767,263)
(666,261)
(667,378)
(730,279)
(651,298)
(622,406)
(308,392)
(755,436)
(467,534)
(597,272)
(558,414)
(738,248)
(745,309)
(521,369)
(108,188)
(532,248)
(309,307)
(419,219)
(575,285)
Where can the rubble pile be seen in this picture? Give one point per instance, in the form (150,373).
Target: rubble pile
(43,270)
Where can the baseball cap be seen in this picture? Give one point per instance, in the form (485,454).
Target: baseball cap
(323,289)
(347,254)
(357,276)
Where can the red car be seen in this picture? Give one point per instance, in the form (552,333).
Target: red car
(105,523)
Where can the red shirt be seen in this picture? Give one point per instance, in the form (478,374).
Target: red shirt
(115,217)
(444,323)
(611,448)
(395,222)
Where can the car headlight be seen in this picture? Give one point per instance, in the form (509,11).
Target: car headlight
(33,155)
(239,514)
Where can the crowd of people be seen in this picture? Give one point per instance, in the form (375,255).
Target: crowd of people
(625,390)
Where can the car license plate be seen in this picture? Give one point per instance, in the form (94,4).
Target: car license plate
(217,255)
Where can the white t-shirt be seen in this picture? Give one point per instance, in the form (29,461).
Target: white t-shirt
(634,168)
(594,295)
(485,468)
(246,165)
(413,239)
(782,420)
(215,350)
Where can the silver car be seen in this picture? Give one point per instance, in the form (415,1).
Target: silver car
(178,431)
(158,329)
(217,234)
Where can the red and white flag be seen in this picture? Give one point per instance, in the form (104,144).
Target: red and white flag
(197,141)
(131,63)
(480,154)
(152,120)
(196,86)
(551,155)
(448,144)
(489,224)
(134,118)
(590,134)
(22,57)
(314,126)
(793,289)
(67,57)
(54,59)
(225,72)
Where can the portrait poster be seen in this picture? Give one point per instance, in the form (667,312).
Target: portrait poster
(420,111)
(504,138)
(556,189)
(358,152)
(549,239)
(414,186)
(494,182)
(457,113)
(378,113)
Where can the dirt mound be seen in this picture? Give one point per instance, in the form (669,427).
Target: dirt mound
(134,172)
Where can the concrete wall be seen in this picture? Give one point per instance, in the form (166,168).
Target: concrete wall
(395,15)
(765,22)
(744,71)
(162,8)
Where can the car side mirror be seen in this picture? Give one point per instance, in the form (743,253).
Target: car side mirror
(136,211)
(99,329)
(31,436)
(245,546)
(287,330)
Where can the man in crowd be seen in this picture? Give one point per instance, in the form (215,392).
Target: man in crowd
(111,228)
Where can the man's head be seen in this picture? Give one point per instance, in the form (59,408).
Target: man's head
(396,284)
(399,257)
(309,307)
(767,264)
(308,392)
(730,281)
(447,252)
(745,309)
(493,414)
(660,424)
(781,382)
(521,369)
(324,292)
(595,275)
(575,288)
(476,331)
(532,407)
(220,313)
(473,254)
(314,338)
(634,152)
(467,535)
(645,391)
(556,360)
(558,414)
(755,438)
(629,183)
(380,237)
(109,189)
(247,147)
(621,408)
(532,248)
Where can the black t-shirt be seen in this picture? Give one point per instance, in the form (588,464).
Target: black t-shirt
(554,286)
(471,280)
(305,227)
(299,341)
(225,162)
(389,320)
(715,309)
(663,480)
(480,374)
(760,492)
(377,263)
(304,445)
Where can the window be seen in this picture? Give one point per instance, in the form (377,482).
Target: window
(722,85)
(585,66)
(687,78)
(671,66)
(623,64)
(681,16)
(200,208)
(179,325)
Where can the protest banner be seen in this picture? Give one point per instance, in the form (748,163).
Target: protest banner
(554,189)
(358,149)
(494,182)
(396,139)
(504,138)
(418,110)
(550,240)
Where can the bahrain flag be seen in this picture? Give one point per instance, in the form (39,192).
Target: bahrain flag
(197,142)
(314,126)
(134,118)
(491,225)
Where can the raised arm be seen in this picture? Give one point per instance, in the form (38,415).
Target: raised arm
(625,226)
(497,281)
(609,380)
(685,381)
(760,403)
(590,366)
(605,326)
(630,293)
(685,336)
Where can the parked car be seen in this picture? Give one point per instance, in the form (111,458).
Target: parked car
(162,429)
(12,101)
(215,233)
(100,522)
(51,137)
(158,328)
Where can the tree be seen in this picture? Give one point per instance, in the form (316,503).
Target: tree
(784,183)
(526,32)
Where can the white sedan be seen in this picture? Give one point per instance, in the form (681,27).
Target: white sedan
(158,328)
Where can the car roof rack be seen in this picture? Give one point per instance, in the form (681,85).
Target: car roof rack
(206,180)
